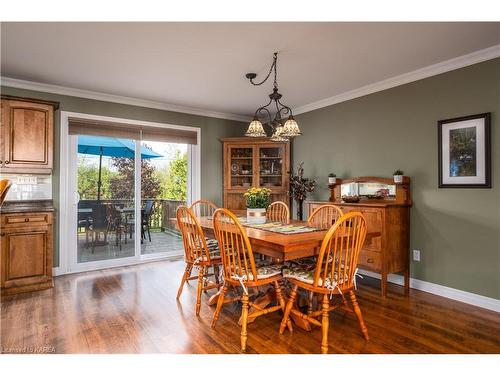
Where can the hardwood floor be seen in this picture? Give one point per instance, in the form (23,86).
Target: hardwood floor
(134,310)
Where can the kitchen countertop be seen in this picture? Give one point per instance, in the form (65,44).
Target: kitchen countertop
(39,205)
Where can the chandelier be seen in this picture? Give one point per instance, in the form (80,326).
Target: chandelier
(281,132)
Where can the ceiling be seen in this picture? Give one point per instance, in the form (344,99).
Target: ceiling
(202,65)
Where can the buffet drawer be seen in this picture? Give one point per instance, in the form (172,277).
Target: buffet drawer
(21,219)
(370,259)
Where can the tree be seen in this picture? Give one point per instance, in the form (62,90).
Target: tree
(88,175)
(122,184)
(174,186)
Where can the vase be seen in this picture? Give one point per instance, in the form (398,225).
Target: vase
(398,179)
(300,209)
(256,215)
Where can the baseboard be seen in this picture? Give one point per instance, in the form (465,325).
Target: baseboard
(56,271)
(443,291)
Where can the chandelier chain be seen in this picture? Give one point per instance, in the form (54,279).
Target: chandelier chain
(282,131)
(273,66)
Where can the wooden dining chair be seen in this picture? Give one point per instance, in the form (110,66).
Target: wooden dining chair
(278,211)
(240,270)
(5,185)
(324,216)
(334,275)
(197,253)
(203,207)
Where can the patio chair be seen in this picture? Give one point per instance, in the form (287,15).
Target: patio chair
(146,219)
(115,224)
(100,224)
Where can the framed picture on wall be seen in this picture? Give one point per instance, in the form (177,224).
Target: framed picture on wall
(464,146)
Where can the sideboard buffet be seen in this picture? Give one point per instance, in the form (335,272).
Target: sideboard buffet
(387,213)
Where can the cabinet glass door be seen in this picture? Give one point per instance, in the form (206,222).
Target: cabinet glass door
(271,166)
(241,167)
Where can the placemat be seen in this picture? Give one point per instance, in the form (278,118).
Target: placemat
(278,227)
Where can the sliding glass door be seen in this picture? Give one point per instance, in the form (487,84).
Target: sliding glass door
(105,186)
(164,186)
(123,193)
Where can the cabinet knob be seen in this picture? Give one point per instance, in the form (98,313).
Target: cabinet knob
(369,260)
(26,219)
(7,162)
(2,235)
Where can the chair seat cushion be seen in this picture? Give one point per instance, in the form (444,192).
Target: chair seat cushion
(307,264)
(212,244)
(268,271)
(307,276)
(264,271)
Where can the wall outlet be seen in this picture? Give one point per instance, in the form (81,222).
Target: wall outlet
(416,255)
(27,180)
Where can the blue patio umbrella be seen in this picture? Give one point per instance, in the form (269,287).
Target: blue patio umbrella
(106,146)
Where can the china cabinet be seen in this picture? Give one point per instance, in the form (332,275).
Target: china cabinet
(254,163)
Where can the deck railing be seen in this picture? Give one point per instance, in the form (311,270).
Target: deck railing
(163,210)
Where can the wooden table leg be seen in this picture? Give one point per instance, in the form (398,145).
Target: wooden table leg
(299,322)
(213,299)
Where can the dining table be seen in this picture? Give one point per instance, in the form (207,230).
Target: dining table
(281,247)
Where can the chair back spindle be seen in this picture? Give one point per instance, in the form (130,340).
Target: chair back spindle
(236,251)
(203,208)
(325,216)
(193,238)
(339,252)
(278,211)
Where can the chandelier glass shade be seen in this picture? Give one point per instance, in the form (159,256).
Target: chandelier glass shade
(281,131)
(291,128)
(278,135)
(255,129)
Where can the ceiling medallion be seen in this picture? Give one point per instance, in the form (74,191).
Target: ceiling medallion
(281,132)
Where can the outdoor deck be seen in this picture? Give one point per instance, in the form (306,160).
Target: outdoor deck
(161,242)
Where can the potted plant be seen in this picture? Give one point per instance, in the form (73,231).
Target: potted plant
(398,176)
(299,187)
(332,179)
(257,201)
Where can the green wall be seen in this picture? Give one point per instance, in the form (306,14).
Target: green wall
(457,230)
(211,130)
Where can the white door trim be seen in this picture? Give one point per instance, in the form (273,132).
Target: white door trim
(65,227)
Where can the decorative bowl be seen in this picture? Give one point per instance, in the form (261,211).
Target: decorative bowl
(351,198)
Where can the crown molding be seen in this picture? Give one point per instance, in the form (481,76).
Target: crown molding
(429,71)
(87,94)
(416,75)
